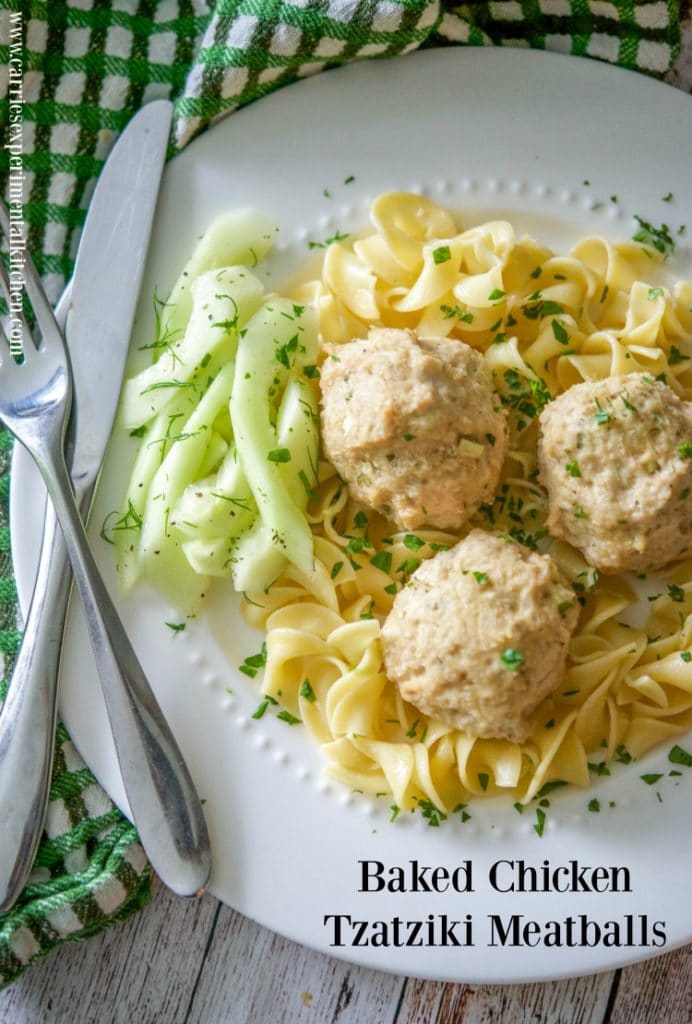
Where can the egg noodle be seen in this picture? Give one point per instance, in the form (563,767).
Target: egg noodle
(544,322)
(240,492)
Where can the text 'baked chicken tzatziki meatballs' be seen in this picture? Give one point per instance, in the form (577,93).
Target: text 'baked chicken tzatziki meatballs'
(413,425)
(615,457)
(480,635)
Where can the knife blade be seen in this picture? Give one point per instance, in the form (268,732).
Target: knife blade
(98,343)
(112,248)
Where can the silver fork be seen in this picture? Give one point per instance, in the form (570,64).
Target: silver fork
(35,402)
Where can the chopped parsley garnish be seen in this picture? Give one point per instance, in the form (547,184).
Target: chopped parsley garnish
(176,627)
(676,356)
(141,431)
(685,450)
(676,593)
(261,708)
(279,455)
(411,733)
(540,822)
(678,755)
(281,354)
(337,237)
(356,545)
(408,566)
(496,294)
(686,656)
(559,332)
(512,658)
(627,404)
(594,806)
(659,239)
(622,754)
(432,814)
(490,438)
(598,768)
(651,778)
(548,787)
(601,416)
(526,396)
(483,780)
(541,308)
(442,254)
(395,812)
(311,371)
(458,312)
(481,578)
(460,809)
(572,468)
(655,293)
(412,542)
(382,560)
(254,662)
(286,716)
(336,569)
(307,691)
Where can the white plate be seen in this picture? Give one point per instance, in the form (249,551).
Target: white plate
(501,132)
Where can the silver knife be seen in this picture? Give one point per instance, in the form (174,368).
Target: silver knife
(107,275)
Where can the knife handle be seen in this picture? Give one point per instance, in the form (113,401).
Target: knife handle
(164,805)
(27,721)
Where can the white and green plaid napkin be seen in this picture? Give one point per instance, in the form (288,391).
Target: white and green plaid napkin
(87,66)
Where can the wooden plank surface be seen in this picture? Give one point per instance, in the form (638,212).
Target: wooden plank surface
(657,992)
(577,1001)
(201,963)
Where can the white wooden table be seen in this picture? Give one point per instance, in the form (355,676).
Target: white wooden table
(202,963)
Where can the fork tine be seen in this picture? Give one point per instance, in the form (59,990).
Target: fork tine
(50,332)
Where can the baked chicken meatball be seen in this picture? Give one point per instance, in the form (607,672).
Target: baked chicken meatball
(615,457)
(480,635)
(413,425)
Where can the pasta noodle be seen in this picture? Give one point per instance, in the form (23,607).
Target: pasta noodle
(545,322)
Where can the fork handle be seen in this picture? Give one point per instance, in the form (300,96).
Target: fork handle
(27,722)
(163,802)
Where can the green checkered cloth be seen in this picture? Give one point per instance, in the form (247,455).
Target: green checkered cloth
(87,66)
